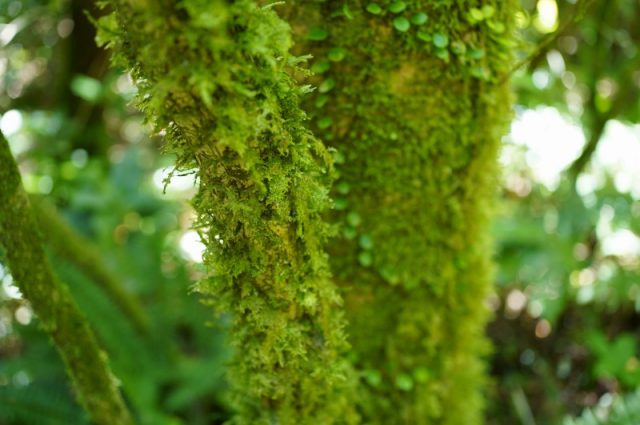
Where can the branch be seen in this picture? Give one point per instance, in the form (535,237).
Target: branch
(71,246)
(86,364)
(576,168)
(597,131)
(600,119)
(578,12)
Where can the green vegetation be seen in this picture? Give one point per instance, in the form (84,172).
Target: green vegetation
(287,213)
(263,185)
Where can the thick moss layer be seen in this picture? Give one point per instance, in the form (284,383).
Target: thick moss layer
(410,96)
(211,77)
(94,385)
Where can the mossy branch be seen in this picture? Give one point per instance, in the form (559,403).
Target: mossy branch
(59,316)
(71,246)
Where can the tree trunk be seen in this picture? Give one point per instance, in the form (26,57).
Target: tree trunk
(412,97)
(211,75)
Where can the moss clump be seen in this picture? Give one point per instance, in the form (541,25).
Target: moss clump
(212,77)
(415,111)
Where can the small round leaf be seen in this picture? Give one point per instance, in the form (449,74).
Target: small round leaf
(419,19)
(397,6)
(440,40)
(318,34)
(401,24)
(374,9)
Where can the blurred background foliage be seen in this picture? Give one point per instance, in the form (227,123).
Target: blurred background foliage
(567,295)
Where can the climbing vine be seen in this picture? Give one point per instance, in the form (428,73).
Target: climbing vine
(212,79)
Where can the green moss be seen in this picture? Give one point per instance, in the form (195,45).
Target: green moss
(212,75)
(86,364)
(418,121)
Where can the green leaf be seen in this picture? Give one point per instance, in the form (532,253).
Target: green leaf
(421,374)
(317,34)
(480,72)
(354,219)
(86,88)
(440,40)
(325,122)
(366,242)
(424,36)
(401,24)
(404,382)
(419,19)
(475,15)
(327,85)
(397,6)
(365,259)
(347,12)
(390,275)
(487,11)
(321,101)
(497,27)
(349,233)
(374,9)
(373,377)
(337,54)
(476,54)
(343,188)
(443,54)
(321,66)
(340,204)
(459,48)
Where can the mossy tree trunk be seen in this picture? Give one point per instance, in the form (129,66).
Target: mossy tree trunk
(412,96)
(58,314)
(212,77)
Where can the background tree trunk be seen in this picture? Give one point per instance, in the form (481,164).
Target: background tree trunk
(412,97)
